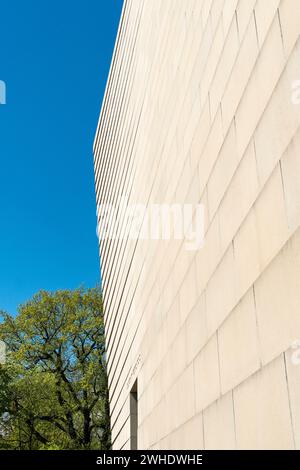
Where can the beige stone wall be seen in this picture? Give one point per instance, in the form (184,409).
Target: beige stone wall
(198,108)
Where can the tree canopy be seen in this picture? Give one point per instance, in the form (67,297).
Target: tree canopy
(53,384)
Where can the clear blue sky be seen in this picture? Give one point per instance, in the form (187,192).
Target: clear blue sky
(54,57)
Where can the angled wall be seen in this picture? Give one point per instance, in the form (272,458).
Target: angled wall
(202,106)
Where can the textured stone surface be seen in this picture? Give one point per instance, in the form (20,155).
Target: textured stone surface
(199,108)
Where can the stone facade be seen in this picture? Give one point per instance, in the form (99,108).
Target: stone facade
(201,106)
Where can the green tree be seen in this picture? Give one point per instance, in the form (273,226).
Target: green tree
(53,386)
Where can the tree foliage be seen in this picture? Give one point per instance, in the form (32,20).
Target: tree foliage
(53,386)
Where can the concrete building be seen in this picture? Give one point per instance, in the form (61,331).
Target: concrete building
(203,106)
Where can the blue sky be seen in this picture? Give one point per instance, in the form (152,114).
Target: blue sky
(54,57)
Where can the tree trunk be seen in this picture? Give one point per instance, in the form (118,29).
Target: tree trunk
(86,428)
